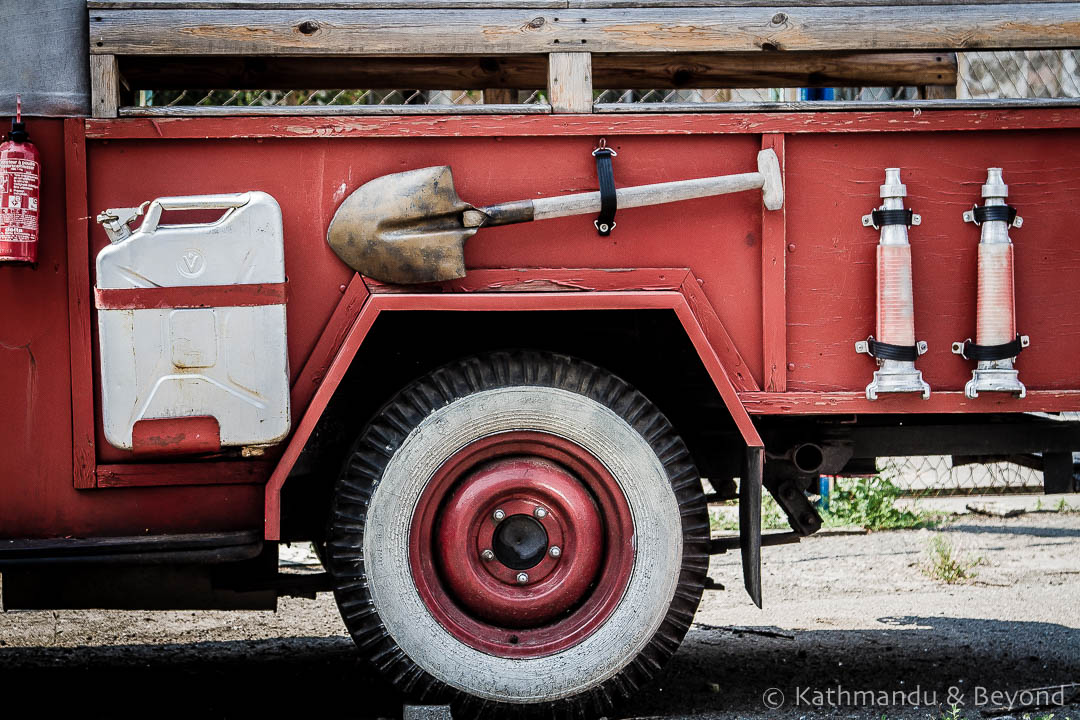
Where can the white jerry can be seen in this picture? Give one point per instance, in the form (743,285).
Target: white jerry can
(164,353)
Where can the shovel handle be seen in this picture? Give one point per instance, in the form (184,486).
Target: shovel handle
(766,179)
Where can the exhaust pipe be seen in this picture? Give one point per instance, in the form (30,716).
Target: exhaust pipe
(895,348)
(996,341)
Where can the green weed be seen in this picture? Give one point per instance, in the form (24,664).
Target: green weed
(944,562)
(871,503)
(953,713)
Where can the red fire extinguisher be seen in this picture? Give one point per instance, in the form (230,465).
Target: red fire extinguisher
(20,194)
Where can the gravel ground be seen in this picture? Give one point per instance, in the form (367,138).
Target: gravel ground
(844,614)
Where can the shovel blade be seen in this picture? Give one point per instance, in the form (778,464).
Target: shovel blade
(403,228)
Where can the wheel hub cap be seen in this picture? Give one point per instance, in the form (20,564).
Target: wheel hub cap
(520,542)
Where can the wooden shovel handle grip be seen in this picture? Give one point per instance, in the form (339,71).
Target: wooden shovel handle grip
(518,211)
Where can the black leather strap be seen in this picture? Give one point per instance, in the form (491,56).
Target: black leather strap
(993,352)
(892,217)
(1004,213)
(605,173)
(885,351)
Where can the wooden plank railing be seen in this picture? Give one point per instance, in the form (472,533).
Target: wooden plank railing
(567,46)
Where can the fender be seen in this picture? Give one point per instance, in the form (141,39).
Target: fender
(674,289)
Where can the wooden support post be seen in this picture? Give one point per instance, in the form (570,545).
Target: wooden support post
(104,86)
(570,82)
(83,452)
(774,282)
(500,96)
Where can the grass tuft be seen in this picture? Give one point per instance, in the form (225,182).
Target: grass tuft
(946,563)
(870,503)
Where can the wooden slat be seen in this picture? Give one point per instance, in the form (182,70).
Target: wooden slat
(844,403)
(774,282)
(901,121)
(675,70)
(83,452)
(283,73)
(331,110)
(757,70)
(193,473)
(322,355)
(570,88)
(104,86)
(736,369)
(325,4)
(491,280)
(591,4)
(839,107)
(496,4)
(493,32)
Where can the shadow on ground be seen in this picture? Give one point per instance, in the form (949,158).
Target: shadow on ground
(728,672)
(719,672)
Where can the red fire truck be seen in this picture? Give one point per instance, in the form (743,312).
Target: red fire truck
(482,356)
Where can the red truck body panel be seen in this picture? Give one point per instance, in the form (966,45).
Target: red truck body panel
(793,290)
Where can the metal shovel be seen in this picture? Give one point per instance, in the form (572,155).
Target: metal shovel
(411,227)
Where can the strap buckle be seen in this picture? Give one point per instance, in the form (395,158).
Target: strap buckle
(602,147)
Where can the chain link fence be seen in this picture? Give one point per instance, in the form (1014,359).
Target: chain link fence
(944,475)
(980,75)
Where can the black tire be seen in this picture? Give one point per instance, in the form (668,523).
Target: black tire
(367,552)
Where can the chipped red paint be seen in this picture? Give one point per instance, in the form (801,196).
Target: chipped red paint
(547,280)
(828,403)
(176,436)
(208,472)
(580,125)
(193,296)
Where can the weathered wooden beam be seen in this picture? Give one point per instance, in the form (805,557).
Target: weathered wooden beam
(332,110)
(291,72)
(512,32)
(104,86)
(498,4)
(676,70)
(767,70)
(569,84)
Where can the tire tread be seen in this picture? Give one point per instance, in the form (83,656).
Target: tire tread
(386,432)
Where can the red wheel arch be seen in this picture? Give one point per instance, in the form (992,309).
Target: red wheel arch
(674,289)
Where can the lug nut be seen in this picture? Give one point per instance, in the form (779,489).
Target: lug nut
(555,551)
(540,512)
(499,515)
(522,578)
(487,555)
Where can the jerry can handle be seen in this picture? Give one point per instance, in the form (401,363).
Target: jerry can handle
(191,202)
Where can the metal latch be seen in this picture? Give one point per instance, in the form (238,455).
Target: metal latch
(116,221)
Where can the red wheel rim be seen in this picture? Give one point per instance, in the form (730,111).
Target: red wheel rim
(481,600)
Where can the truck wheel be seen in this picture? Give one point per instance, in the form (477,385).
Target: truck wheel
(519,529)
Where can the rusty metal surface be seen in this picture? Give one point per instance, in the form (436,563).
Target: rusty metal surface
(404,228)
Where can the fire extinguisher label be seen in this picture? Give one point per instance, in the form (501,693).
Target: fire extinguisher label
(18,200)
